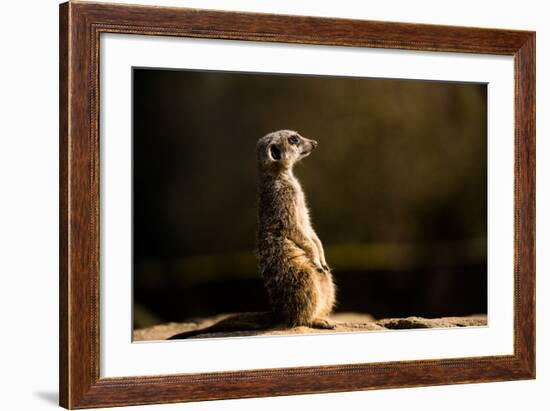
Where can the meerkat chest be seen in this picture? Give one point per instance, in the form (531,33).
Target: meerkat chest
(301,210)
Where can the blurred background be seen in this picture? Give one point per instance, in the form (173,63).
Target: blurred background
(397,190)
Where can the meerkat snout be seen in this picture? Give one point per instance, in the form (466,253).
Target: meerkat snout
(280,150)
(310,146)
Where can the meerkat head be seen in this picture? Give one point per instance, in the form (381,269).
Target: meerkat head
(280,150)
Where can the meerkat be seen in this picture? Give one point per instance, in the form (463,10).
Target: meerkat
(291,258)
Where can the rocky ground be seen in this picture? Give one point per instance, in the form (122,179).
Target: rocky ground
(345,322)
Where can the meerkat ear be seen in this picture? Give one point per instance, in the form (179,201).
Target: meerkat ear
(274,152)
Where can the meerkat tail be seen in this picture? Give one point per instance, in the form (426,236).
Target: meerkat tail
(255,321)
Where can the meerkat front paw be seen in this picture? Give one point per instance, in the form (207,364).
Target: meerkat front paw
(318,267)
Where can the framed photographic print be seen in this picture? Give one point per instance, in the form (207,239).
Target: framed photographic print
(258,205)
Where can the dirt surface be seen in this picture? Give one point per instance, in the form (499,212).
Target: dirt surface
(345,322)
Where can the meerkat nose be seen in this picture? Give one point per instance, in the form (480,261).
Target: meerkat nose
(314,143)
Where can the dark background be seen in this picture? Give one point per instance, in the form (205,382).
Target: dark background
(397,190)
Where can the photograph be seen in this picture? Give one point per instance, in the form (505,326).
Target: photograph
(280,204)
(254,203)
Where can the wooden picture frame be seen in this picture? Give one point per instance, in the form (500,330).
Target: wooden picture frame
(81,24)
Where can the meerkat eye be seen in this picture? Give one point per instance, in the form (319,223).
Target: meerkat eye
(294,140)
